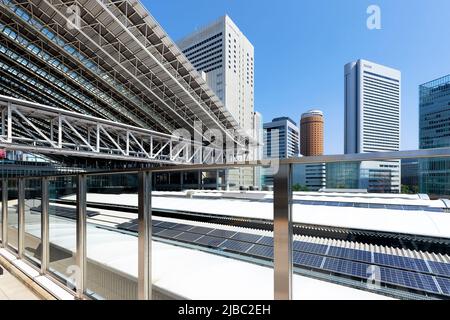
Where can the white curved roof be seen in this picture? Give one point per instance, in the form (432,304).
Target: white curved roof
(415,222)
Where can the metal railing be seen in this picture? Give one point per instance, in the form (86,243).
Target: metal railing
(282,214)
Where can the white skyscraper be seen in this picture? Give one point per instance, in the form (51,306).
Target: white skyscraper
(226,56)
(372,121)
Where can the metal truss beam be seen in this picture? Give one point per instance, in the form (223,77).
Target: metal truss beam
(38,128)
(94,76)
(118,45)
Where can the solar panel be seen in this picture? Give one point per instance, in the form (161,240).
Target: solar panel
(347,204)
(306,259)
(154,222)
(182,227)
(426,282)
(350,254)
(377,206)
(365,205)
(430,209)
(408,279)
(261,251)
(125,225)
(412,208)
(400,262)
(440,268)
(345,261)
(347,267)
(167,225)
(66,212)
(188,237)
(444,284)
(134,227)
(236,246)
(268,241)
(168,233)
(129,226)
(395,206)
(201,230)
(309,247)
(222,233)
(156,230)
(298,245)
(361,255)
(209,241)
(416,264)
(247,237)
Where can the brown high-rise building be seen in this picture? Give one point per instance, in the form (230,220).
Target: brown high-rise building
(311,133)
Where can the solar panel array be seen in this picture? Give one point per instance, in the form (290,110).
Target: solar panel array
(404,207)
(65,212)
(368,205)
(409,273)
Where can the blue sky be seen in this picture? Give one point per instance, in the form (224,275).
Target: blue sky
(301,47)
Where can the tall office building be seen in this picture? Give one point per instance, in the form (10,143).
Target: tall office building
(311,133)
(434,132)
(281,141)
(372,121)
(311,177)
(372,107)
(226,57)
(281,138)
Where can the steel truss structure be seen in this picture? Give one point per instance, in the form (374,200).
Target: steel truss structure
(37,128)
(107,59)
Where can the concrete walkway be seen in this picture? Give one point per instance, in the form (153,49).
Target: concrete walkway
(13,289)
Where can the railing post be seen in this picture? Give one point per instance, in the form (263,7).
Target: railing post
(81,235)
(282,227)
(45,226)
(145,236)
(4,213)
(21,216)
(10,123)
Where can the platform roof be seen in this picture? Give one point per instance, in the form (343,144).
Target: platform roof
(115,62)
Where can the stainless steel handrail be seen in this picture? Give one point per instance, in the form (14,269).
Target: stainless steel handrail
(356,157)
(282,211)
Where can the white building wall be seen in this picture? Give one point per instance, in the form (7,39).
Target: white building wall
(372,107)
(372,113)
(223,52)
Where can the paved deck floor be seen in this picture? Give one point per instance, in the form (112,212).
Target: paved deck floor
(13,289)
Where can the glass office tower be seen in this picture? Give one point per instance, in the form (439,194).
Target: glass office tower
(434,132)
